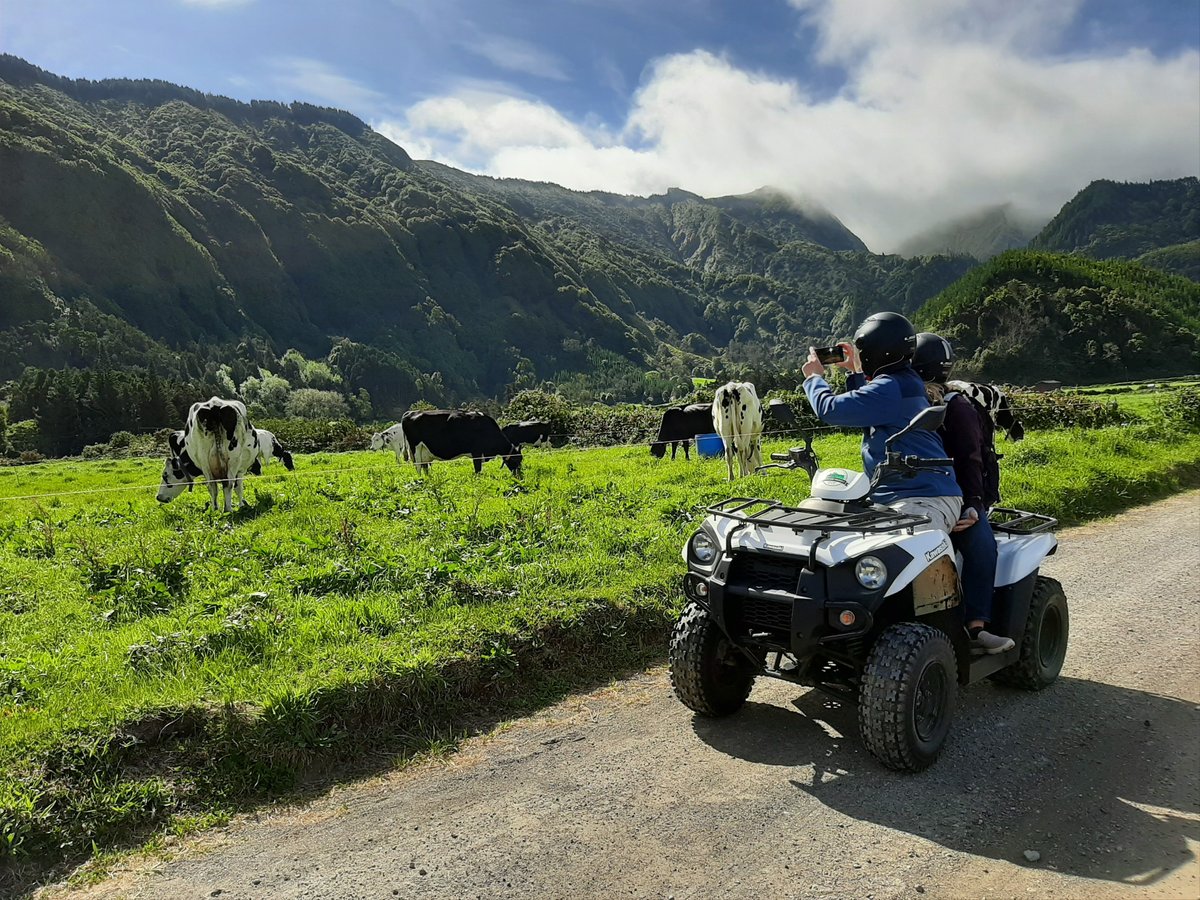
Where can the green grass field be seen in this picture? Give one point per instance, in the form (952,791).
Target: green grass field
(159,662)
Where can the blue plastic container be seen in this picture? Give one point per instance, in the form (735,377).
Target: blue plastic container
(710,445)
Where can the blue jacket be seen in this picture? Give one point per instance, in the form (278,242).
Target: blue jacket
(881,407)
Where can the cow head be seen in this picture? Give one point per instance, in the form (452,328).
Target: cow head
(377,441)
(175,479)
(658,449)
(513,460)
(281,453)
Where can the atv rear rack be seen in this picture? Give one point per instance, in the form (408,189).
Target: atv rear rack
(772,513)
(1018,521)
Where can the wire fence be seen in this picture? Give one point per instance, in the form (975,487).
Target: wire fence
(324,472)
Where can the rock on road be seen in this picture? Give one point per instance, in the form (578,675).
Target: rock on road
(623,793)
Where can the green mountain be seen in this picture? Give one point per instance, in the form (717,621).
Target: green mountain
(145,224)
(981,235)
(1110,220)
(1028,315)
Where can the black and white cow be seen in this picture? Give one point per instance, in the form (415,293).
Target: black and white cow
(680,425)
(270,448)
(179,472)
(431,434)
(737,415)
(391,439)
(218,443)
(531,431)
(992,401)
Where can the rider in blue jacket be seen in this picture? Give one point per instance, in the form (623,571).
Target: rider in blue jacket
(883,394)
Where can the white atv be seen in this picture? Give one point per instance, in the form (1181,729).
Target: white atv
(860,601)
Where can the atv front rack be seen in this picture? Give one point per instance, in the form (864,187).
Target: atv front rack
(772,513)
(1018,521)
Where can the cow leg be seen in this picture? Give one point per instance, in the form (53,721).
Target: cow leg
(729,461)
(227,494)
(674,447)
(212,492)
(478,462)
(686,444)
(239,486)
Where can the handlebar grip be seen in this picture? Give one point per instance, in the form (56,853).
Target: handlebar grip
(937,462)
(779,457)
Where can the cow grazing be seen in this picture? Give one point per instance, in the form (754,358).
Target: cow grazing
(431,434)
(218,443)
(180,473)
(680,425)
(737,415)
(531,431)
(269,448)
(391,439)
(992,401)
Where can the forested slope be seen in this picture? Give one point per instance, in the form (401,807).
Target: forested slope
(1027,315)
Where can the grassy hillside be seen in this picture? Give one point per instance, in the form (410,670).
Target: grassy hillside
(162,662)
(1028,315)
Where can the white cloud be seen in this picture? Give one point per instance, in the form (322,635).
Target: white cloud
(318,82)
(515,55)
(949,105)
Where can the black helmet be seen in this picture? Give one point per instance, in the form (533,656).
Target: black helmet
(884,339)
(934,358)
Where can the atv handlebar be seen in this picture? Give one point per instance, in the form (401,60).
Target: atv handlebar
(779,457)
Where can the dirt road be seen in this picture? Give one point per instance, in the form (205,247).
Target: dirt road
(622,793)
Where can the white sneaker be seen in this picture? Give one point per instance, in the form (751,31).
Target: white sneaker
(993,643)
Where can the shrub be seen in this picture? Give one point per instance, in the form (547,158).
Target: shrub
(1181,409)
(311,436)
(1058,410)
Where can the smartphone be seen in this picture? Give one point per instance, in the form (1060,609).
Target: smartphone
(831,355)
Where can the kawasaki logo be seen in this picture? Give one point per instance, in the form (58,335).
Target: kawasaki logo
(938,550)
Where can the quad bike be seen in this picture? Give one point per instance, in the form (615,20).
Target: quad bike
(860,601)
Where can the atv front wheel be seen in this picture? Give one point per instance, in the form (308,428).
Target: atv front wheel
(906,699)
(709,674)
(1044,643)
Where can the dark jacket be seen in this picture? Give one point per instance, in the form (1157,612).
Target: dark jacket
(881,407)
(969,437)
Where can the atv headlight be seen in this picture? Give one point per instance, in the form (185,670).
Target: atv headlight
(704,551)
(871,572)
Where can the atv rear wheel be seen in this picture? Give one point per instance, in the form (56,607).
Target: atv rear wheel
(709,674)
(1043,646)
(906,698)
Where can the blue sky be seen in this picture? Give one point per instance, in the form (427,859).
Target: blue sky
(891,113)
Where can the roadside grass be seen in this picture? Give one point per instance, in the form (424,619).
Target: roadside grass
(159,663)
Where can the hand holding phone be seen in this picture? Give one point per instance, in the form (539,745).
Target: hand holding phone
(831,355)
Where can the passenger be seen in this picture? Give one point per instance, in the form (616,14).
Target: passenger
(883,394)
(969,438)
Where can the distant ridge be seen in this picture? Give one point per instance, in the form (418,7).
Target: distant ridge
(981,235)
